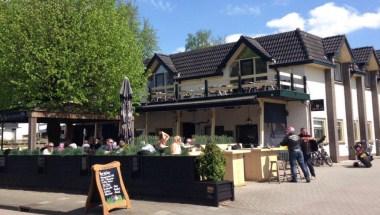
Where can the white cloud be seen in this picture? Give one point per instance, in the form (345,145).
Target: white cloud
(232,10)
(235,37)
(287,23)
(179,49)
(232,38)
(328,19)
(160,4)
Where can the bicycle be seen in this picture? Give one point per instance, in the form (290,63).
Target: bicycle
(320,157)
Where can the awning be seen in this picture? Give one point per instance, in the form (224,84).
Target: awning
(222,102)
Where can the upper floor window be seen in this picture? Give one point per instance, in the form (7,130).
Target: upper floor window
(368,80)
(319,127)
(161,78)
(338,73)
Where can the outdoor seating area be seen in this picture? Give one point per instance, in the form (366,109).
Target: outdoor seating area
(277,82)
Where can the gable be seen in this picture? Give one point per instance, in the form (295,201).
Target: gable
(372,63)
(344,54)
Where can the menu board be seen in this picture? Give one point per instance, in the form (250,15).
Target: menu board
(107,188)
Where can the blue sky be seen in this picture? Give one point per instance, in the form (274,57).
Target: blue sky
(174,19)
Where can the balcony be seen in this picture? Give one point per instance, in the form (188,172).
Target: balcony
(279,84)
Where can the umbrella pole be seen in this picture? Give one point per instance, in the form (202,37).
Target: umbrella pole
(2,135)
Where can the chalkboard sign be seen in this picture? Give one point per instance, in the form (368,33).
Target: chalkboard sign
(107,187)
(317,105)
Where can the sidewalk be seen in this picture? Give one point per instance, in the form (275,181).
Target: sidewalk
(340,189)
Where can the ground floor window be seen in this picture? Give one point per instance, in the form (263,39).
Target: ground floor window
(319,127)
(340,128)
(356,130)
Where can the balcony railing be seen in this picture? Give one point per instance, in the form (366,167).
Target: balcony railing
(280,81)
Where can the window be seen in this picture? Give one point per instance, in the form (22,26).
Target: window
(235,69)
(368,80)
(160,80)
(319,126)
(356,130)
(340,127)
(338,73)
(246,67)
(369,130)
(261,66)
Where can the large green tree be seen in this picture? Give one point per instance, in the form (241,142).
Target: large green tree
(201,39)
(57,52)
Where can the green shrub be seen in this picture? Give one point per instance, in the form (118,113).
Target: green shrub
(1,152)
(100,152)
(131,149)
(212,163)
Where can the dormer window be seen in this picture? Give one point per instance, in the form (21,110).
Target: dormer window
(161,78)
(338,73)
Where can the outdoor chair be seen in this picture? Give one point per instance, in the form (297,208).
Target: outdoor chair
(284,166)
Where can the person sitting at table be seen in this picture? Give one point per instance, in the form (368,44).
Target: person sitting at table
(175,148)
(49,150)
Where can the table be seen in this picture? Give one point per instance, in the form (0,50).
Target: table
(235,166)
(257,163)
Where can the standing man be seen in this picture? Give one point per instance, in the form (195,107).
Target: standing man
(292,141)
(306,149)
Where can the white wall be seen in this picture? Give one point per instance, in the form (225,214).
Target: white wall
(341,115)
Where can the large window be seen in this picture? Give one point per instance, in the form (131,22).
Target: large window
(319,126)
(338,73)
(252,69)
(162,77)
(340,128)
(356,130)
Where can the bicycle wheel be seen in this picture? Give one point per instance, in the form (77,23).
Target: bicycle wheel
(328,161)
(314,159)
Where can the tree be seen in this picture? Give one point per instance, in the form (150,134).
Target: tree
(201,39)
(58,52)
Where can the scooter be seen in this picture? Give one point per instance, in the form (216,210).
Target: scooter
(362,155)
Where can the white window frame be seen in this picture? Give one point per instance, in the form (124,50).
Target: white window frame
(342,138)
(324,127)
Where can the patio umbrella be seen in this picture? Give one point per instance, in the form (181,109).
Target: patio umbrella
(126,112)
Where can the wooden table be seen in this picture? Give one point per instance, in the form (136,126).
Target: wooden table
(257,163)
(235,166)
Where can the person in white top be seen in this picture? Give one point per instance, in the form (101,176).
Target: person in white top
(175,148)
(49,149)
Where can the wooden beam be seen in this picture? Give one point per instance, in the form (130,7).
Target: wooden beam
(261,125)
(178,123)
(32,132)
(331,114)
(213,116)
(146,124)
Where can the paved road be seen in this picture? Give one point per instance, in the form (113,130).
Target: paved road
(337,190)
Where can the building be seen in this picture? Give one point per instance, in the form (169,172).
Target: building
(253,88)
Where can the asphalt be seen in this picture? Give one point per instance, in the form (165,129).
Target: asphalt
(340,189)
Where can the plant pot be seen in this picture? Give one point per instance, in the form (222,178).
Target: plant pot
(212,193)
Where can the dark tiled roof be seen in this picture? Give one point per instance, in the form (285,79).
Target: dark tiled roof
(200,62)
(314,47)
(378,54)
(294,47)
(168,62)
(361,55)
(332,44)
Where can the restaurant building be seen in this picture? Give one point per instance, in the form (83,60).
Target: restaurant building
(253,88)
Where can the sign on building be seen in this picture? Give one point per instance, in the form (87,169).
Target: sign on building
(317,105)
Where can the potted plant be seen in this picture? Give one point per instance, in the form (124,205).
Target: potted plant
(211,168)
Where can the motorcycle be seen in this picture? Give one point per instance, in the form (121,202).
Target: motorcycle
(363,155)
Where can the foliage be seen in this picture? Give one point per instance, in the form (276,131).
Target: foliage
(131,149)
(25,152)
(212,163)
(201,39)
(59,52)
(146,140)
(71,151)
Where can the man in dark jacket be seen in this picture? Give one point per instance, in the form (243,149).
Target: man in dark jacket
(306,149)
(292,141)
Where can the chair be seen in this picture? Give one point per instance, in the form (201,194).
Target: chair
(284,166)
(276,170)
